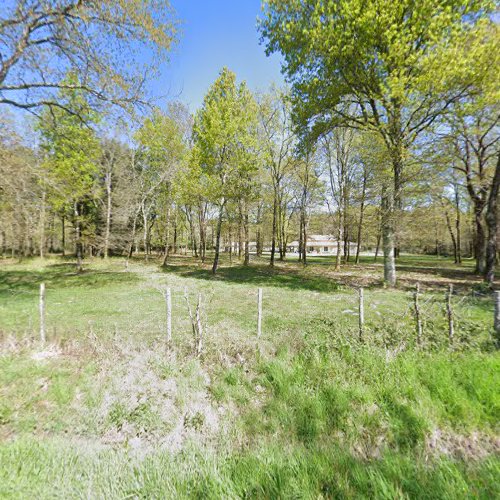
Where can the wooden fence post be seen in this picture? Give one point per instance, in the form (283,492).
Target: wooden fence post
(259,312)
(449,313)
(361,313)
(168,301)
(416,295)
(496,321)
(41,308)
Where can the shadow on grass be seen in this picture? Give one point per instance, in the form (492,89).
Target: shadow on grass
(60,276)
(258,275)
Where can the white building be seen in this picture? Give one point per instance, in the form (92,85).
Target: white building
(321,244)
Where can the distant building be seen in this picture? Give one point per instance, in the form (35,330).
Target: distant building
(321,244)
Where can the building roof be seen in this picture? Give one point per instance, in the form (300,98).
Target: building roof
(318,240)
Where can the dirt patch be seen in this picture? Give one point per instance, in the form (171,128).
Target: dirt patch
(474,446)
(148,404)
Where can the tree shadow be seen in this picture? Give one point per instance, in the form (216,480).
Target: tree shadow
(257,275)
(60,276)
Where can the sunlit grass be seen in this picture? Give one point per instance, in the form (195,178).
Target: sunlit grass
(306,411)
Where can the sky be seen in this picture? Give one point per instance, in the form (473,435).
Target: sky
(214,34)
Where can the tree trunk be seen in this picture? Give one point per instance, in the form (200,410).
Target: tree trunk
(240,230)
(273,237)
(491,221)
(388,237)
(457,225)
(145,233)
(452,236)
(78,239)
(247,237)
(361,214)
(304,239)
(167,238)
(175,232)
(63,235)
(217,240)
(42,227)
(480,244)
(301,237)
(108,214)
(201,221)
(259,230)
(132,237)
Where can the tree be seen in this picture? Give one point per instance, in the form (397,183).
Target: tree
(71,153)
(308,187)
(100,42)
(162,149)
(223,134)
(377,66)
(278,147)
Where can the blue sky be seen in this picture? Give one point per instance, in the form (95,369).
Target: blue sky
(216,33)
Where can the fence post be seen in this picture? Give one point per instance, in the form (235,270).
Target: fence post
(168,301)
(449,313)
(416,295)
(496,322)
(259,312)
(361,313)
(41,308)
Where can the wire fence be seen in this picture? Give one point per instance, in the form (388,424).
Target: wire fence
(425,319)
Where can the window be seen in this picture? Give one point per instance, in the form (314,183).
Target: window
(325,249)
(310,249)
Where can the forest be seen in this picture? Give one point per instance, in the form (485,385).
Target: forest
(287,291)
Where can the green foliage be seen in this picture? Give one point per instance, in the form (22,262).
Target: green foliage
(71,149)
(385,58)
(224,138)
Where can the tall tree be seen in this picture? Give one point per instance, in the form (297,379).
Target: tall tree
(223,133)
(71,159)
(100,42)
(379,66)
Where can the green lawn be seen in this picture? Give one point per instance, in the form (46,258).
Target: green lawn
(107,410)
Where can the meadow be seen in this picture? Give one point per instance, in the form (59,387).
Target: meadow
(105,408)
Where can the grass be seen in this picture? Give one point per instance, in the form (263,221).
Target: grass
(307,411)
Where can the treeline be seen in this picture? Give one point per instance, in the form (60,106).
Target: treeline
(380,141)
(234,176)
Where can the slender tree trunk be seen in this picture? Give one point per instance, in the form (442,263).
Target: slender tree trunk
(301,237)
(175,232)
(78,239)
(145,233)
(132,237)
(42,226)
(361,215)
(201,221)
(452,235)
(167,238)
(247,236)
(240,230)
(273,237)
(304,239)
(457,226)
(107,232)
(217,239)
(480,249)
(377,248)
(388,237)
(339,243)
(63,235)
(259,230)
(491,221)
(194,243)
